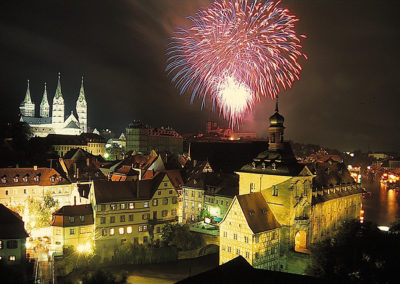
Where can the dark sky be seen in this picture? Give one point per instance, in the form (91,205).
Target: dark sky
(347,96)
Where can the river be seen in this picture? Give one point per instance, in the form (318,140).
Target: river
(382,206)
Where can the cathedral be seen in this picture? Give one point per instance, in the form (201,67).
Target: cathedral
(55,121)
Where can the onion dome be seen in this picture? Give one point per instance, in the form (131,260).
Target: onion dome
(276,119)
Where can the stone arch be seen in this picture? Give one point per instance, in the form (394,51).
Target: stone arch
(300,241)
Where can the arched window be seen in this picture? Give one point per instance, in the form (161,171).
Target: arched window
(300,241)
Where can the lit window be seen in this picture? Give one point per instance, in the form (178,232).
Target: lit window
(112,232)
(129,230)
(121,231)
(145,216)
(1,244)
(16,178)
(252,187)
(11,258)
(155,202)
(113,206)
(52,178)
(4,179)
(131,205)
(25,179)
(146,204)
(104,232)
(72,231)
(122,206)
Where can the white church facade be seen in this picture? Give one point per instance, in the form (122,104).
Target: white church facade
(58,122)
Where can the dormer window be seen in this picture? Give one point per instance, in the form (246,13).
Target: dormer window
(52,178)
(16,178)
(253,165)
(274,166)
(37,178)
(59,178)
(263,165)
(264,211)
(3,179)
(251,212)
(25,179)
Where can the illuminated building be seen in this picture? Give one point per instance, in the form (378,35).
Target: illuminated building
(19,184)
(12,237)
(143,138)
(57,123)
(72,227)
(90,142)
(132,212)
(301,203)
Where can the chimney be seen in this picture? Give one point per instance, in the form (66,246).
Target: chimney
(35,167)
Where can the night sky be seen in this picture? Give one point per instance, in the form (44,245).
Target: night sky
(347,96)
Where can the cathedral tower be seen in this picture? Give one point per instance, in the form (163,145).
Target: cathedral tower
(275,130)
(58,106)
(81,109)
(44,105)
(27,107)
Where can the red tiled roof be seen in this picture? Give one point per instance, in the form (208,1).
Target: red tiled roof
(61,216)
(258,215)
(26,176)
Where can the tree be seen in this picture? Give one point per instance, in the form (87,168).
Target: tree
(358,253)
(181,237)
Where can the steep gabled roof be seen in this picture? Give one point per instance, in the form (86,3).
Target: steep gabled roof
(11,224)
(109,191)
(258,215)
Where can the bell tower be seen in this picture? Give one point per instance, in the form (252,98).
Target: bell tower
(275,130)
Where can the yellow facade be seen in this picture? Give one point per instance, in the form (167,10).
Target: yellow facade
(236,238)
(91,147)
(193,202)
(72,237)
(136,221)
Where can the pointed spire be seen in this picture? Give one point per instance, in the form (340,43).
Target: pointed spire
(44,99)
(58,90)
(28,95)
(81,92)
(276,104)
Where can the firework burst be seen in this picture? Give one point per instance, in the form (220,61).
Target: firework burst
(235,53)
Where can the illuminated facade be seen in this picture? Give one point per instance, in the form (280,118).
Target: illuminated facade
(72,227)
(57,122)
(132,212)
(92,143)
(17,185)
(309,202)
(143,138)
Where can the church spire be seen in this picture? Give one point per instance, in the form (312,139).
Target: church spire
(28,94)
(276,104)
(81,97)
(81,109)
(276,129)
(58,90)
(27,107)
(44,105)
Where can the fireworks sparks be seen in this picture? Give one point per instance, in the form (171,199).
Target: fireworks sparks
(235,53)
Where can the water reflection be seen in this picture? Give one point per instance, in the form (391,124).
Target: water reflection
(383,206)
